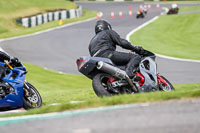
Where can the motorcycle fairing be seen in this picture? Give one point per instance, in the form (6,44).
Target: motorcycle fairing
(14,99)
(148,69)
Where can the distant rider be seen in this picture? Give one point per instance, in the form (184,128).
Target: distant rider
(145,9)
(174,6)
(104,43)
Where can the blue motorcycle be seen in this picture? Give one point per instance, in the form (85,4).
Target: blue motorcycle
(15,91)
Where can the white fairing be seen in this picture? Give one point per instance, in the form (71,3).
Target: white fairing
(149,71)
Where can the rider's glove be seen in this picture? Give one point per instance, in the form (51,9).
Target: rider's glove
(14,60)
(139,50)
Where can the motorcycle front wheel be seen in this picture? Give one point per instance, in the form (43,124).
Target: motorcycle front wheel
(168,87)
(31,98)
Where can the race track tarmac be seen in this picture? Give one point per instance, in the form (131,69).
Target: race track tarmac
(177,116)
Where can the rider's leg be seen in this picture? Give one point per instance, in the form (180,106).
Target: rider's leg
(132,65)
(130,60)
(120,58)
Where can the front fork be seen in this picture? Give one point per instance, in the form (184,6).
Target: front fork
(26,88)
(161,80)
(28,91)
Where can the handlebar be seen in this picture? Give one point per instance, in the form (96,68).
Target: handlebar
(148,53)
(145,53)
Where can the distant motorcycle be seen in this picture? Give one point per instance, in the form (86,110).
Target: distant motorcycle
(140,14)
(109,79)
(173,11)
(15,91)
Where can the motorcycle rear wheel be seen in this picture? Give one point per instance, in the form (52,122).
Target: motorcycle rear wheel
(99,84)
(31,101)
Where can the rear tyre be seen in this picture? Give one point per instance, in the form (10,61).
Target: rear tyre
(168,87)
(99,84)
(32,98)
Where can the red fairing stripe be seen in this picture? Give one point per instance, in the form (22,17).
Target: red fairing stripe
(111,80)
(141,82)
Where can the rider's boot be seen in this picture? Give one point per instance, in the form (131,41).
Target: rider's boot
(131,71)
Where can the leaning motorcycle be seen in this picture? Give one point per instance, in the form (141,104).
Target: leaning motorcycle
(109,79)
(173,11)
(15,91)
(140,14)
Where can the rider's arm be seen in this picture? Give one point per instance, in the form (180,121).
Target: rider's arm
(13,60)
(121,42)
(4,56)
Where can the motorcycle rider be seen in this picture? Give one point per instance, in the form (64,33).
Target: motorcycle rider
(104,43)
(4,56)
(174,9)
(174,6)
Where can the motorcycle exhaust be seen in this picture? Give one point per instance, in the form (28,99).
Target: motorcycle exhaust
(116,72)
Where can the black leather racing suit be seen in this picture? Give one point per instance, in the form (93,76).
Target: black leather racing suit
(103,44)
(3,56)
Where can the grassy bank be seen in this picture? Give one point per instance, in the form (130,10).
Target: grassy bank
(12,9)
(181,0)
(65,88)
(190,8)
(173,35)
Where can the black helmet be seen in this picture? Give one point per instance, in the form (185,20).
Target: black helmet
(102,25)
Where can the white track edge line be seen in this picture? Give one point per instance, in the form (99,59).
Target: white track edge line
(69,113)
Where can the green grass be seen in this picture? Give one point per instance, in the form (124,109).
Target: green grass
(179,1)
(59,88)
(10,6)
(172,35)
(12,9)
(189,8)
(63,88)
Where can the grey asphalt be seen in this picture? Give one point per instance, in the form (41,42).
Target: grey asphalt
(177,116)
(58,50)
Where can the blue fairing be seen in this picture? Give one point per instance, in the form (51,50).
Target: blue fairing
(14,99)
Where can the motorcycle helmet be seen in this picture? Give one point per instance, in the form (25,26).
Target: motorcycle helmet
(102,25)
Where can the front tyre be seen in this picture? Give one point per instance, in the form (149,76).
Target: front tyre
(165,87)
(32,98)
(99,84)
